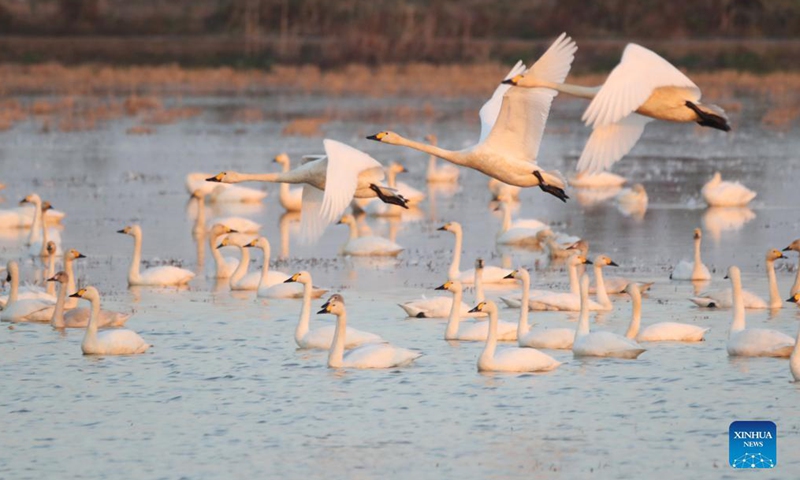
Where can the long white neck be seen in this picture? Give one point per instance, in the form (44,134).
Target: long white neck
(283,191)
(353,230)
(449,155)
(523,327)
(774,294)
(57,320)
(215,253)
(479,295)
(583,319)
(36,227)
(636,316)
(570,89)
(794,359)
(796,286)
(453,321)
(305,314)
(455,266)
(491,339)
(45,239)
(600,288)
(12,296)
(91,329)
(574,284)
(72,302)
(283,225)
(738,306)
(698,263)
(133,271)
(336,353)
(265,267)
(200,221)
(51,270)
(241,269)
(264,177)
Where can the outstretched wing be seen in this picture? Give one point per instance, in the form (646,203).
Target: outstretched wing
(554,64)
(631,83)
(609,143)
(341,178)
(310,158)
(491,108)
(311,222)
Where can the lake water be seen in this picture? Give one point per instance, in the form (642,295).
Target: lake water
(225,394)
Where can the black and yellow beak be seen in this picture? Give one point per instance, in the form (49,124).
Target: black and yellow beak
(787,249)
(222,245)
(377,137)
(79,293)
(52,279)
(293,278)
(444,286)
(23,201)
(586,261)
(794,298)
(512,81)
(325,308)
(8,277)
(80,255)
(478,307)
(612,263)
(443,228)
(122,231)
(511,275)
(726,277)
(216,178)
(230,230)
(251,244)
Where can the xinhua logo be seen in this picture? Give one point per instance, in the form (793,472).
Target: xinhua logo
(753,445)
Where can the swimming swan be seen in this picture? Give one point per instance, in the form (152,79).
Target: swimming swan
(165,275)
(241,279)
(291,199)
(520,233)
(491,274)
(509,151)
(436,173)
(600,343)
(223,266)
(79,317)
(549,338)
(22,216)
(795,245)
(512,359)
(346,171)
(571,301)
(641,88)
(753,342)
(374,355)
(69,257)
(275,284)
(471,332)
(108,342)
(686,270)
(367,246)
(724,298)
(515,300)
(40,234)
(662,331)
(726,194)
(24,309)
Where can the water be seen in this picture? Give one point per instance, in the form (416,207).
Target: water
(224,392)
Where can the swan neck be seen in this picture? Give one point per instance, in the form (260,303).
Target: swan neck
(583,319)
(449,155)
(70,302)
(636,316)
(506,218)
(219,260)
(738,306)
(600,287)
(36,227)
(51,271)
(241,269)
(391,178)
(305,314)
(523,327)
(200,221)
(91,329)
(455,267)
(453,321)
(14,293)
(774,293)
(574,90)
(574,284)
(265,267)
(264,177)
(431,165)
(133,271)
(698,263)
(479,295)
(336,355)
(796,286)
(491,339)
(57,320)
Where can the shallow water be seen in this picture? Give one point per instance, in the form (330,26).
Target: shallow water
(224,393)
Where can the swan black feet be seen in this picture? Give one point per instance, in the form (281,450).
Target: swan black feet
(389,196)
(559,193)
(708,119)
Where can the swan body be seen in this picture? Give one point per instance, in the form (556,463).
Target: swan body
(641,88)
(596,180)
(40,235)
(436,307)
(109,342)
(348,172)
(491,274)
(24,310)
(238,224)
(368,246)
(290,198)
(515,300)
(79,317)
(322,338)
(439,173)
(692,270)
(718,193)
(571,301)
(373,355)
(600,344)
(794,358)
(549,338)
(724,298)
(165,275)
(795,245)
(521,233)
(511,359)
(241,279)
(471,332)
(222,193)
(662,331)
(753,342)
(510,139)
(22,217)
(223,266)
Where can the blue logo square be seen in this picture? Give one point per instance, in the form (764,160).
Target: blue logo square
(753,444)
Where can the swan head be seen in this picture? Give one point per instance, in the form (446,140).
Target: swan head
(774,254)
(281,158)
(794,298)
(132,230)
(219,229)
(46,206)
(32,198)
(50,248)
(60,277)
(224,177)
(639,189)
(519,274)
(12,270)
(431,138)
(385,137)
(260,242)
(487,306)
(88,293)
(347,220)
(515,80)
(450,227)
(578,259)
(734,275)
(73,254)
(300,277)
(632,288)
(793,246)
(604,261)
(450,286)
(698,234)
(395,167)
(479,264)
(334,305)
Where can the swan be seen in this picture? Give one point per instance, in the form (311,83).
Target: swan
(662,331)
(22,216)
(165,275)
(596,180)
(79,317)
(508,152)
(511,359)
(290,198)
(36,292)
(753,342)
(373,355)
(471,332)
(491,274)
(240,224)
(726,194)
(24,309)
(439,173)
(515,301)
(69,257)
(272,283)
(600,343)
(223,266)
(724,298)
(240,279)
(436,307)
(561,246)
(322,338)
(411,195)
(109,342)
(633,201)
(571,301)
(549,338)
(222,193)
(686,270)
(51,268)
(349,173)
(521,233)
(641,88)
(39,234)
(367,246)
(795,245)
(794,359)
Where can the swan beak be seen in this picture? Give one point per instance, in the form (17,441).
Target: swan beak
(612,263)
(512,81)
(230,230)
(443,286)
(511,275)
(23,201)
(79,293)
(790,300)
(121,231)
(442,228)
(783,256)
(215,178)
(325,308)
(726,277)
(53,279)
(251,244)
(291,279)
(377,137)
(221,245)
(80,255)
(588,262)
(786,249)
(478,308)
(8,277)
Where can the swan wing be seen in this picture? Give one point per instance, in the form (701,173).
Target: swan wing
(311,158)
(165,275)
(341,177)
(631,83)
(121,342)
(311,221)
(609,143)
(523,360)
(489,111)
(378,355)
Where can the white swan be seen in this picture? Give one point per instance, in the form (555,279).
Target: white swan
(641,88)
(445,173)
(223,266)
(549,338)
(24,309)
(600,343)
(108,342)
(22,216)
(724,298)
(726,194)
(51,268)
(491,274)
(374,355)
(346,172)
(795,246)
(69,257)
(662,331)
(291,199)
(521,233)
(692,270)
(436,307)
(753,342)
(275,284)
(512,359)
(79,317)
(240,224)
(515,300)
(165,275)
(40,234)
(571,301)
(632,202)
(510,150)
(222,193)
(367,246)
(471,332)
(560,246)
(241,279)
(321,338)
(596,180)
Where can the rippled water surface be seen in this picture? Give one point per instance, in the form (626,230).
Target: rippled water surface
(225,394)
